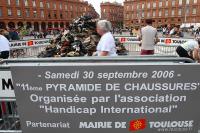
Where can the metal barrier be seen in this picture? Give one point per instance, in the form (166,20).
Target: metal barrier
(134,49)
(27,52)
(166,46)
(9,118)
(159,49)
(135,59)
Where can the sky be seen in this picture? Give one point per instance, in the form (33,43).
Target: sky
(96,3)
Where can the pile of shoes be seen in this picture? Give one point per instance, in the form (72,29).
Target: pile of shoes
(80,40)
(121,50)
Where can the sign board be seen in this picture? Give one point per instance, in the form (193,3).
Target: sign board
(162,41)
(29,43)
(108,97)
(126,39)
(122,39)
(173,41)
(6,84)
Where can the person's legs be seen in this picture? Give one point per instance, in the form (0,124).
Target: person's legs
(4,54)
(182,52)
(147,52)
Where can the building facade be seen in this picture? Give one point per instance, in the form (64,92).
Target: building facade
(113,12)
(42,14)
(162,12)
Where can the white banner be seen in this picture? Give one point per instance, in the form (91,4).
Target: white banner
(30,43)
(6,85)
(126,39)
(173,41)
(162,41)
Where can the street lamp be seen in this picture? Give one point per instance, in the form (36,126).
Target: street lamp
(139,13)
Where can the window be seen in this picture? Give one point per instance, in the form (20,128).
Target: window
(19,13)
(67,14)
(173,12)
(17,2)
(154,13)
(194,11)
(180,2)
(160,4)
(149,5)
(71,8)
(9,12)
(138,6)
(66,7)
(179,12)
(34,14)
(143,14)
(166,12)
(27,13)
(55,15)
(0,12)
(48,5)
(41,4)
(160,13)
(26,2)
(154,5)
(61,16)
(42,14)
(166,3)
(148,14)
(34,4)
(187,2)
(60,6)
(187,11)
(142,5)
(49,15)
(195,1)
(173,2)
(54,5)
(8,2)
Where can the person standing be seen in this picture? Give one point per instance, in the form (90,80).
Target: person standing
(14,35)
(106,45)
(4,46)
(149,38)
(136,32)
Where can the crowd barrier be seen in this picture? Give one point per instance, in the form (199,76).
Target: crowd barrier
(27,52)
(31,48)
(9,117)
(32,37)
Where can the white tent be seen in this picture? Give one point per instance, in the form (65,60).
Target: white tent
(188,25)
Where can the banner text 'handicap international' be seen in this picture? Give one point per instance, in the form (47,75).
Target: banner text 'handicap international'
(108,98)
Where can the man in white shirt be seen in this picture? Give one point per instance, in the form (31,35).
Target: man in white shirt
(189,49)
(106,45)
(4,47)
(149,38)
